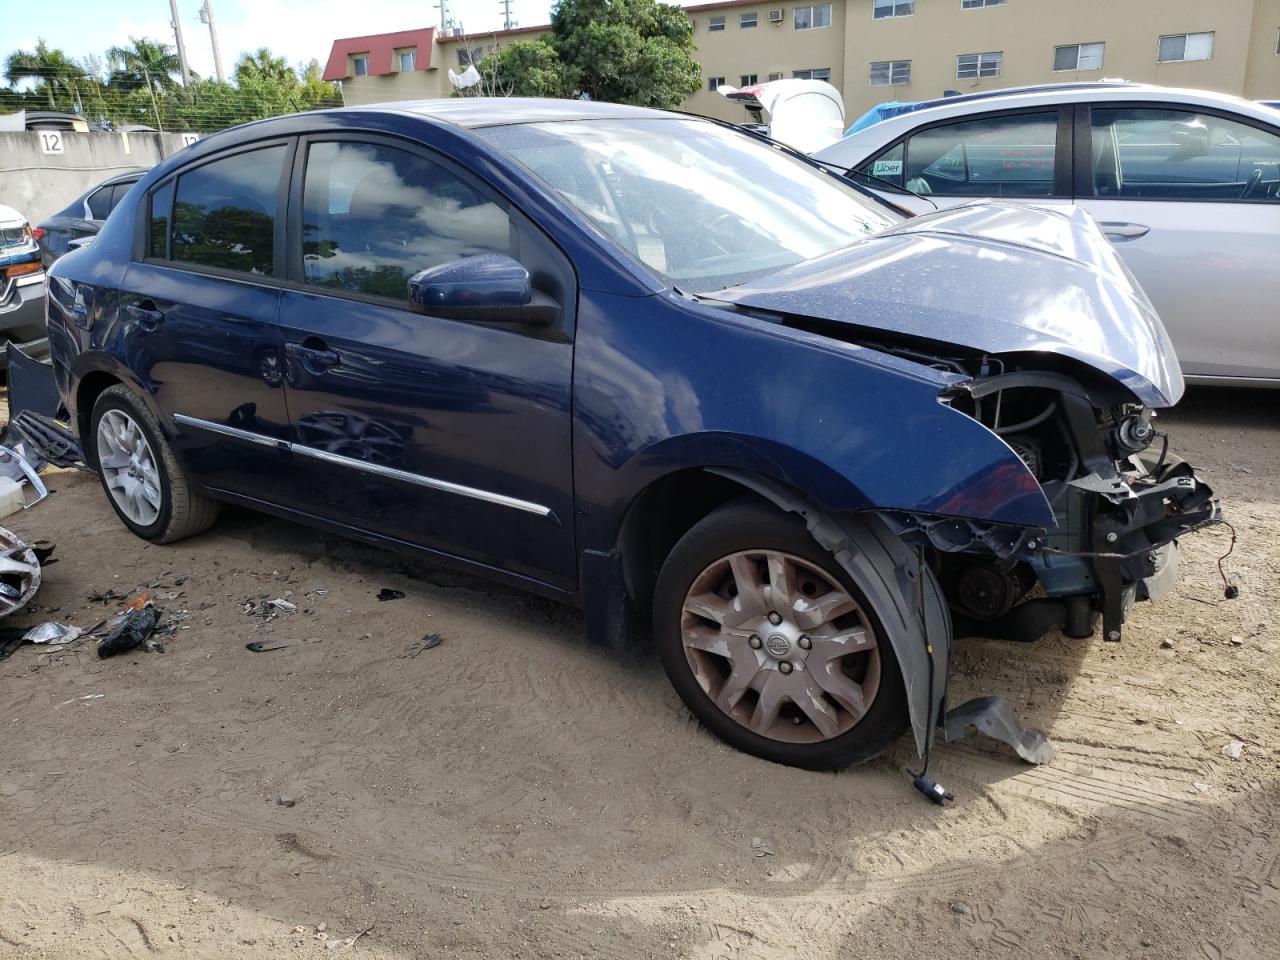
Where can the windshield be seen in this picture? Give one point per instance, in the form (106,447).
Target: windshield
(702,206)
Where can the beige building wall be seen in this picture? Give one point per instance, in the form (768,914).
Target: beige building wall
(1262,75)
(415,85)
(761,50)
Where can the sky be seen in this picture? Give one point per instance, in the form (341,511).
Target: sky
(295,29)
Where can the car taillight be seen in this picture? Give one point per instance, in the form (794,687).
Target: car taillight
(37,233)
(18,269)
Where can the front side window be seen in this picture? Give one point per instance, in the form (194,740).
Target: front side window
(1186,46)
(971,66)
(1079,56)
(161,212)
(373,216)
(1181,155)
(813,73)
(988,157)
(702,206)
(746,21)
(884,9)
(409,60)
(360,66)
(715,23)
(812,18)
(886,73)
(224,212)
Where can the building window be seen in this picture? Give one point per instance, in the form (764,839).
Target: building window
(816,73)
(884,9)
(812,18)
(748,79)
(971,66)
(976,4)
(1186,46)
(890,73)
(409,60)
(774,76)
(746,21)
(360,66)
(1078,56)
(715,23)
(714,83)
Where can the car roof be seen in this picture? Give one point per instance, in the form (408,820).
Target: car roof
(471,112)
(855,146)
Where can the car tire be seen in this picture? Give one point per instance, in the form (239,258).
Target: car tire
(707,661)
(145,483)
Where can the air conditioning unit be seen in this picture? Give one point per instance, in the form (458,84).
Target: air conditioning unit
(775,16)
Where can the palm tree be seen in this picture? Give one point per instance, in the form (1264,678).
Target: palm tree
(53,70)
(262,66)
(144,61)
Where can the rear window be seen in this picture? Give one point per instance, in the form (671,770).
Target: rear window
(224,213)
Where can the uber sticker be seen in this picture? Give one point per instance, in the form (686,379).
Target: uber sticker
(886,168)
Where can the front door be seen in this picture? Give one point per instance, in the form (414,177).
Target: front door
(440,433)
(200,313)
(1190,201)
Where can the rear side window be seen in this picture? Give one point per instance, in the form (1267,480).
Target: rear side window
(161,214)
(1158,154)
(119,191)
(373,216)
(99,204)
(1012,156)
(224,212)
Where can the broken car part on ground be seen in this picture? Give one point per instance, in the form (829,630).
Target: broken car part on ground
(675,376)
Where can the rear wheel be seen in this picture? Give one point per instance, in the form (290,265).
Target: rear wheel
(145,483)
(772,644)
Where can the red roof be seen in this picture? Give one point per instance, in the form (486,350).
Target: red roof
(379,47)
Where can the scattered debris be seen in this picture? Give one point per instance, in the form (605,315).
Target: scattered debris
(960,907)
(130,629)
(288,798)
(87,696)
(139,600)
(419,646)
(1234,749)
(108,596)
(1237,640)
(1166,643)
(321,927)
(265,646)
(53,633)
(335,942)
(284,606)
(759,849)
(1202,787)
(16,468)
(386,593)
(19,572)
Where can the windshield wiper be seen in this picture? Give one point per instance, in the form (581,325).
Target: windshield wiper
(846,174)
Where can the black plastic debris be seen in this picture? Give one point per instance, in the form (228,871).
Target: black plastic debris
(11,638)
(131,629)
(51,439)
(386,593)
(421,646)
(264,646)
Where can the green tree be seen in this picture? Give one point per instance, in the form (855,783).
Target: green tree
(314,92)
(627,51)
(144,62)
(526,68)
(262,66)
(55,73)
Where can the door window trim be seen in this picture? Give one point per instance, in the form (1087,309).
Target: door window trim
(142,231)
(1084,186)
(1063,156)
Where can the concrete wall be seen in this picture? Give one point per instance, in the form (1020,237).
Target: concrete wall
(39,184)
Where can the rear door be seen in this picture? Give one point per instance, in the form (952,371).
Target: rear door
(1020,154)
(442,433)
(199,311)
(1191,200)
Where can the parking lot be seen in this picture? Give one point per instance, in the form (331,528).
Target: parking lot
(513,792)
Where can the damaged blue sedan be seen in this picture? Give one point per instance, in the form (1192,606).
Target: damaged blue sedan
(651,366)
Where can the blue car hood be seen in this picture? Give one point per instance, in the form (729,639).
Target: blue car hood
(994,276)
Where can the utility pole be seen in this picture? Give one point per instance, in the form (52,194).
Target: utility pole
(182,47)
(508,22)
(206,16)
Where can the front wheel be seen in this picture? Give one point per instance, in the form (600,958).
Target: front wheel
(145,483)
(773,646)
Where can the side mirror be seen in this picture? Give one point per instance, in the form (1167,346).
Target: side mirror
(492,288)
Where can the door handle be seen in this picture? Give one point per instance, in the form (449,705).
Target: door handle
(315,359)
(148,317)
(1124,231)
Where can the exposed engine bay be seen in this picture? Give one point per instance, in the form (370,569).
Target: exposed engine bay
(1120,496)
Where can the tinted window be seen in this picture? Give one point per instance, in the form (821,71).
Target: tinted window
(161,210)
(119,191)
(100,203)
(991,157)
(373,216)
(1180,155)
(225,211)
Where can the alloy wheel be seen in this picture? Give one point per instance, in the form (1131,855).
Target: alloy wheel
(780,646)
(128,466)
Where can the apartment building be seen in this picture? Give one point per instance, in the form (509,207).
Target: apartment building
(878,50)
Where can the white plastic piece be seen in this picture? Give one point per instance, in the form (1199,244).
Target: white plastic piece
(12,499)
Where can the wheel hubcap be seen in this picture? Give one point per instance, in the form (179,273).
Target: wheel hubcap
(128,467)
(780,646)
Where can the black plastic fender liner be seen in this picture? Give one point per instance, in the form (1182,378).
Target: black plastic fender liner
(887,571)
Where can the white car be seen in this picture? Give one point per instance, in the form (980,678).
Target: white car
(1185,183)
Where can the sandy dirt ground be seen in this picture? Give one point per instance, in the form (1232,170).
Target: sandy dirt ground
(514,792)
